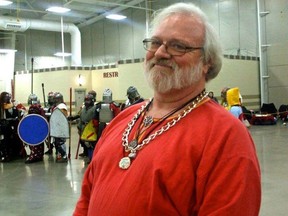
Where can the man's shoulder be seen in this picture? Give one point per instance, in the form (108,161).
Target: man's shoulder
(217,112)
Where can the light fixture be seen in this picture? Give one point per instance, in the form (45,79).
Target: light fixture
(62,54)
(57,9)
(5,2)
(7,50)
(116,17)
(80,80)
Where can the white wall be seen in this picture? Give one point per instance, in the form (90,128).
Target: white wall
(235,73)
(6,71)
(55,81)
(277,54)
(128,75)
(235,21)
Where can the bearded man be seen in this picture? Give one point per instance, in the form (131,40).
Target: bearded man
(179,153)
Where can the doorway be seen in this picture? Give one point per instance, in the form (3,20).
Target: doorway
(79,98)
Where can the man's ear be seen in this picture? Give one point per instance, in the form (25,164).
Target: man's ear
(206,67)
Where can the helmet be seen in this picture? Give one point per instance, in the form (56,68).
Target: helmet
(92,92)
(50,98)
(132,93)
(107,95)
(58,98)
(5,97)
(35,109)
(89,100)
(33,99)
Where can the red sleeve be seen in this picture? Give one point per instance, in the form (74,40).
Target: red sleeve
(232,190)
(20,107)
(116,109)
(229,178)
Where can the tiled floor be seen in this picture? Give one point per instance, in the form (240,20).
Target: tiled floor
(46,188)
(43,188)
(272,149)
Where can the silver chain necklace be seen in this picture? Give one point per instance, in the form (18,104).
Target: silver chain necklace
(133,146)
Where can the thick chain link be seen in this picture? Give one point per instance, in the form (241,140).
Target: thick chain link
(132,122)
(164,128)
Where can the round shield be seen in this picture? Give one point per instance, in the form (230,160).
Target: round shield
(33,129)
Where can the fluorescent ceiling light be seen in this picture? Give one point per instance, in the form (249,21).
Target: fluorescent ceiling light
(60,54)
(116,17)
(5,3)
(7,51)
(58,9)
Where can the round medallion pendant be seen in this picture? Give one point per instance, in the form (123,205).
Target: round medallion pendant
(125,163)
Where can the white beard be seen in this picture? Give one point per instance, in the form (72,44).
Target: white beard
(163,81)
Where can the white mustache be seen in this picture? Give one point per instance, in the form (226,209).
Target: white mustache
(163,62)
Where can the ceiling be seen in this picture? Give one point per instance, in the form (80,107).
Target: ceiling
(83,12)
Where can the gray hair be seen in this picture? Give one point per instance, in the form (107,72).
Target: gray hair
(212,52)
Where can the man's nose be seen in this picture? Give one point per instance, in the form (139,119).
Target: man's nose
(162,51)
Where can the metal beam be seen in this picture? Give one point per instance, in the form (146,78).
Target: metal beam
(130,4)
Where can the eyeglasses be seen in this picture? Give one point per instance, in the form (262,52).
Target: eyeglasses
(174,48)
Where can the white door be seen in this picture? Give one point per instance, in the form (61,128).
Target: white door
(79,99)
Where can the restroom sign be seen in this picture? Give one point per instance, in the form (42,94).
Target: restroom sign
(110,74)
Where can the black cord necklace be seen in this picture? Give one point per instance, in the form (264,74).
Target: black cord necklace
(147,121)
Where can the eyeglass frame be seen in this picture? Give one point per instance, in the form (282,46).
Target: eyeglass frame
(186,48)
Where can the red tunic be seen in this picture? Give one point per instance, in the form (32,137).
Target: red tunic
(205,165)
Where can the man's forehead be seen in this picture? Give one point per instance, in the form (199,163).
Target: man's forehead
(181,26)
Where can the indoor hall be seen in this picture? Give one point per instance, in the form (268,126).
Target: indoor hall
(110,54)
(48,188)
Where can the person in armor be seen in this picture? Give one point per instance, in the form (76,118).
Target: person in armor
(92,94)
(48,110)
(87,115)
(49,105)
(106,110)
(33,99)
(36,151)
(50,98)
(10,144)
(133,97)
(20,107)
(59,143)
